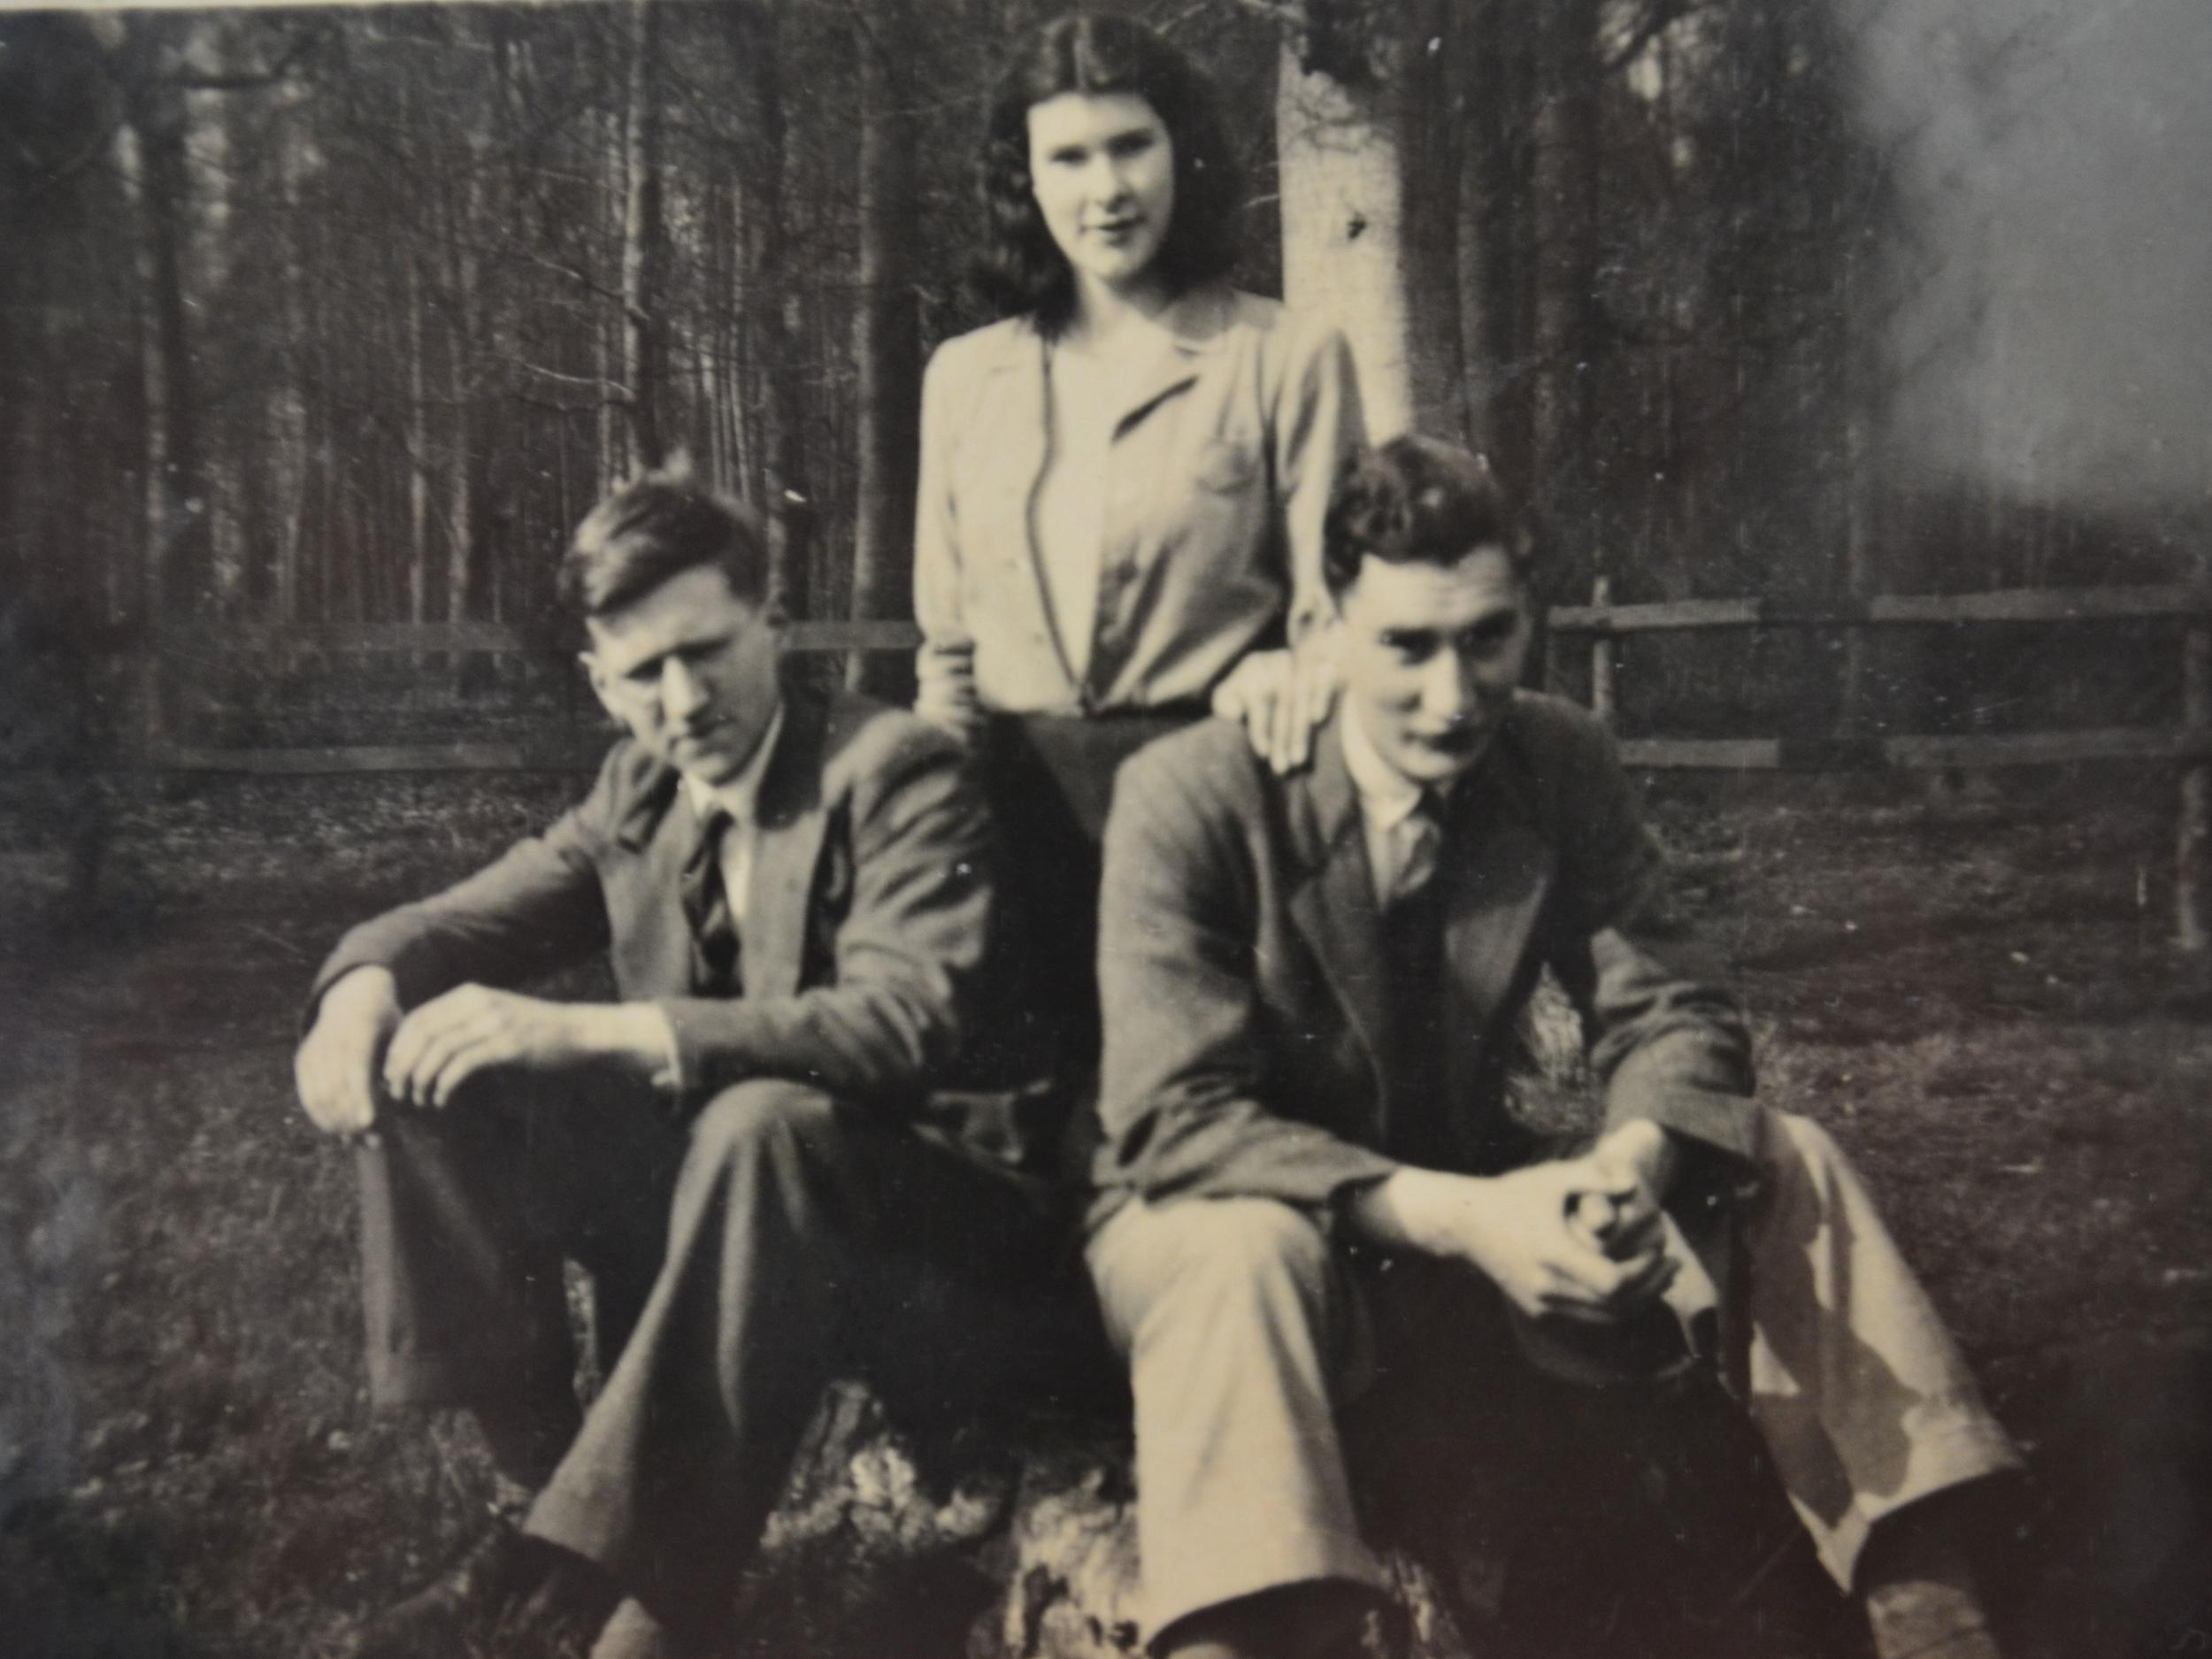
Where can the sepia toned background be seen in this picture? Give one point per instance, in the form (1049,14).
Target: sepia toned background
(319,328)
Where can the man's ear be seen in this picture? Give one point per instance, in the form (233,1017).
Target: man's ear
(598,678)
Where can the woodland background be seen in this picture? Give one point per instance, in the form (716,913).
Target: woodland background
(346,315)
(317,324)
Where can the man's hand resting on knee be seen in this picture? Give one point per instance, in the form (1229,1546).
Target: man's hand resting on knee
(337,1065)
(473,1029)
(1578,1238)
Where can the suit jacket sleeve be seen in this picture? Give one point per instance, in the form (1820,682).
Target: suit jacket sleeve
(1669,1041)
(537,909)
(910,954)
(1185,1061)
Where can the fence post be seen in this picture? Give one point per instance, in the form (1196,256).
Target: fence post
(1601,654)
(2192,933)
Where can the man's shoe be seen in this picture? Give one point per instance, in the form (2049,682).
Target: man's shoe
(511,1596)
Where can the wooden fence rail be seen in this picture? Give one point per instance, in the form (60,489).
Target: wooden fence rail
(2189,742)
(2004,604)
(157,750)
(229,639)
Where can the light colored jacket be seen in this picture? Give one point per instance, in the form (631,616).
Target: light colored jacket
(1219,471)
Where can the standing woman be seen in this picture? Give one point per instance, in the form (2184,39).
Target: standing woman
(1122,481)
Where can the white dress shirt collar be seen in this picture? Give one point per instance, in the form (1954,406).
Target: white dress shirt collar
(740,795)
(1402,849)
(1386,795)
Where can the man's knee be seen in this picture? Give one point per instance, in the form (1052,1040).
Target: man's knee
(1799,1158)
(763,1122)
(1212,1259)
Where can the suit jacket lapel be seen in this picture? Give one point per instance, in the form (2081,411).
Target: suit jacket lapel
(792,821)
(659,828)
(1497,870)
(1334,903)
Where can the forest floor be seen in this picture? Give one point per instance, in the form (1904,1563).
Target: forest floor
(1974,994)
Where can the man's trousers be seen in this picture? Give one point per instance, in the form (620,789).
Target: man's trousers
(781,1239)
(1257,1347)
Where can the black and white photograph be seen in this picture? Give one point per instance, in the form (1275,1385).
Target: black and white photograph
(1106,829)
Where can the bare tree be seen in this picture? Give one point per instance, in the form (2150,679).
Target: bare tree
(886,337)
(762,29)
(644,337)
(178,576)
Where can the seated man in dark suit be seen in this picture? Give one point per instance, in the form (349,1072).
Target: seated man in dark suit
(1311,1191)
(797,896)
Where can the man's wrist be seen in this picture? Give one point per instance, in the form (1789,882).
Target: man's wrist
(371,986)
(1409,1210)
(636,1034)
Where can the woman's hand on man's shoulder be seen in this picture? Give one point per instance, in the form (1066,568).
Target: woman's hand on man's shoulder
(1282,697)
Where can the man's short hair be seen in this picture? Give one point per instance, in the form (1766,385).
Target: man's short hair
(1413,500)
(652,529)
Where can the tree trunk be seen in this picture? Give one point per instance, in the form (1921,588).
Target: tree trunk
(1370,200)
(886,341)
(461,502)
(289,464)
(1566,279)
(644,342)
(773,315)
(179,580)
(417,451)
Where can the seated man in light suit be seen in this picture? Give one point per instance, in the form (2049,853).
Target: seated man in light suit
(1310,1188)
(747,1148)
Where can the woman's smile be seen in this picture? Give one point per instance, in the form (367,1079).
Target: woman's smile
(1102,167)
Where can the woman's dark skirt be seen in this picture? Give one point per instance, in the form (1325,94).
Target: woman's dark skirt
(1050,780)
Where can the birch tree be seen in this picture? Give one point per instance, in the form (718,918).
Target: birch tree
(1370,205)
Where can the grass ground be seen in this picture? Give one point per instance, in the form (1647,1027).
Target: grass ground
(1975,995)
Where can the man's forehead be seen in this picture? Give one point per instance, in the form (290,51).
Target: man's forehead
(693,606)
(1416,592)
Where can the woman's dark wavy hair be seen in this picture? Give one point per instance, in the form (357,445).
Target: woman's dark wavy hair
(1019,268)
(1418,501)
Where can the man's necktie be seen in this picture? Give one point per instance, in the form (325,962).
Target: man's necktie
(1419,838)
(1420,1116)
(706,899)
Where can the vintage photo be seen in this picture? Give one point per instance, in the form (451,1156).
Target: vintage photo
(983,829)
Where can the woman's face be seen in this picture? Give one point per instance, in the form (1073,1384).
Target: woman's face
(1103,169)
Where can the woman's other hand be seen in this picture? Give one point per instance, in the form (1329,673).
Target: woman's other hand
(1281,697)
